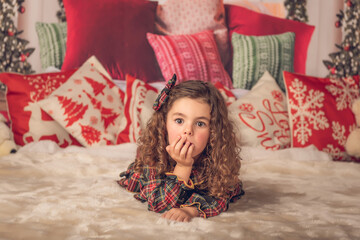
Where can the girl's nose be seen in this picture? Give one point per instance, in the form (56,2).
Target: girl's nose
(188,131)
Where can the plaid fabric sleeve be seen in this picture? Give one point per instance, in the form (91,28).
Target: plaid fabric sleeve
(130,179)
(211,206)
(161,193)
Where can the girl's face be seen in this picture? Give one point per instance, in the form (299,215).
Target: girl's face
(189,118)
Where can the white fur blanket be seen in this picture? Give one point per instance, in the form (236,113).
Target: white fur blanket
(52,193)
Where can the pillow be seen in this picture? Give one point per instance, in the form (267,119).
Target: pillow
(139,101)
(115,32)
(193,16)
(191,57)
(52,43)
(260,117)
(276,9)
(247,22)
(253,55)
(28,122)
(320,111)
(227,94)
(89,106)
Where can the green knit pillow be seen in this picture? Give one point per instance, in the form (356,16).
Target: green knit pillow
(52,41)
(253,55)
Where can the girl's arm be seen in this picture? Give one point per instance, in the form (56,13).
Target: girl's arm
(184,214)
(211,206)
(161,193)
(165,193)
(130,179)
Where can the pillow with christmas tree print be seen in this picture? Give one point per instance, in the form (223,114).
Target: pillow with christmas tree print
(320,112)
(260,116)
(29,122)
(89,105)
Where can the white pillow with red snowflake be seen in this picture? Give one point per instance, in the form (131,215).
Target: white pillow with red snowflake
(88,105)
(260,116)
(320,112)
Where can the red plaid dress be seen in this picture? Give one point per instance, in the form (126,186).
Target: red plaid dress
(164,193)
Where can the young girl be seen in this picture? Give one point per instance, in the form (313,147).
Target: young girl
(187,162)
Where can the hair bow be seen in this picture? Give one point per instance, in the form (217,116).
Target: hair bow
(164,94)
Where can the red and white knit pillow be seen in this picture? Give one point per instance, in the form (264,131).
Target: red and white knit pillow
(191,57)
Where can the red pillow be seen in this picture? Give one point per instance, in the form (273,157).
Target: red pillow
(190,56)
(247,22)
(115,32)
(139,100)
(28,121)
(320,112)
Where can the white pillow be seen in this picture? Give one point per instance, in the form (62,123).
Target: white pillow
(261,117)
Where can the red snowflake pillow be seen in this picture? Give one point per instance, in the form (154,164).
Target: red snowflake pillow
(89,106)
(261,117)
(320,111)
(28,121)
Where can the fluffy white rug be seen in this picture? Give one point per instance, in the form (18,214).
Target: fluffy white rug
(52,193)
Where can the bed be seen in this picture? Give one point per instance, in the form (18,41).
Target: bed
(77,124)
(52,193)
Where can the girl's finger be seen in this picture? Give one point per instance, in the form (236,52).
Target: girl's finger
(164,215)
(180,218)
(184,150)
(190,151)
(171,146)
(179,145)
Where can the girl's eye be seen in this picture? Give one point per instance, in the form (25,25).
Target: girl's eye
(200,124)
(179,120)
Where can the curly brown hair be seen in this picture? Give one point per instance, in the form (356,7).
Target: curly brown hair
(218,164)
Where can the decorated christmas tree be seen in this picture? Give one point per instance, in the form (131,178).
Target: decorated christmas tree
(13,51)
(345,62)
(296,10)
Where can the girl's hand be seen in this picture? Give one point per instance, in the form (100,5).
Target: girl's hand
(181,214)
(181,151)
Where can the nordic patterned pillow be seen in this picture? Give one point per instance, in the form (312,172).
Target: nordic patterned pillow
(253,55)
(52,41)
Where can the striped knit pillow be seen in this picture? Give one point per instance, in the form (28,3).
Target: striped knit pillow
(253,55)
(190,56)
(52,41)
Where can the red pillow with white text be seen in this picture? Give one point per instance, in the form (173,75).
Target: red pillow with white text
(247,22)
(115,32)
(89,106)
(260,116)
(28,121)
(191,57)
(320,111)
